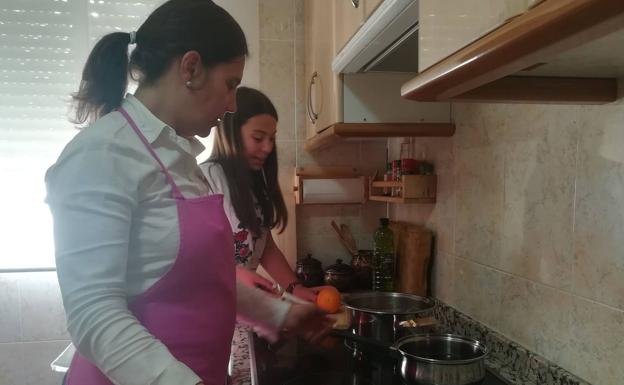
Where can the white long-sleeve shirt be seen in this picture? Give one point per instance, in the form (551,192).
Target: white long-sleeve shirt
(116,234)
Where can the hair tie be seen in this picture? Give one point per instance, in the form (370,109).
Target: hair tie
(132,37)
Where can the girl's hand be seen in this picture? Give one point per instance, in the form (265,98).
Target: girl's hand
(308,322)
(307,293)
(253,279)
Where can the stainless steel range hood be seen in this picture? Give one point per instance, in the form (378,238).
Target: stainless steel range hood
(387,42)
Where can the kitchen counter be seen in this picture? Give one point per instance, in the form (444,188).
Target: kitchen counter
(513,363)
(240,361)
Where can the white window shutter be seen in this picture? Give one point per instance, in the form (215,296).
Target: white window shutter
(44,45)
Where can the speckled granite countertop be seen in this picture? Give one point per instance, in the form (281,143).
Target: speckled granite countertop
(240,364)
(507,358)
(513,362)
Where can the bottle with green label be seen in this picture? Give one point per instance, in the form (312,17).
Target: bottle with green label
(383,257)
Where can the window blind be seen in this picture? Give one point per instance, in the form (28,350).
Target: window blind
(44,45)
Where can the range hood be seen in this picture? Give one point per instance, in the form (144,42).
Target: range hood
(387,42)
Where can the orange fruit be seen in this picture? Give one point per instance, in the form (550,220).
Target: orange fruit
(328,299)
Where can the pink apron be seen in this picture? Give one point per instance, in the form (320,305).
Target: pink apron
(192,308)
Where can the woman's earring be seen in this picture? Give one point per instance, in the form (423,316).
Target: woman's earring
(188,84)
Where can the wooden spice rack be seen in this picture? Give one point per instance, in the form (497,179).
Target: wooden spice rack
(413,189)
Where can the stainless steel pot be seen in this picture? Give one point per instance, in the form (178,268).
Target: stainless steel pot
(387,317)
(434,359)
(442,359)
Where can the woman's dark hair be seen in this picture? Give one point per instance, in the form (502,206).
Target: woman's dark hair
(174,28)
(242,181)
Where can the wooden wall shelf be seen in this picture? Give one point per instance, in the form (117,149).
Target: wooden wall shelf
(335,133)
(551,28)
(414,189)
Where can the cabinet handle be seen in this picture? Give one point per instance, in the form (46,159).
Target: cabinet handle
(311,113)
(355,3)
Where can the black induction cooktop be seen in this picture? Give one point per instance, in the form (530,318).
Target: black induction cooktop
(334,362)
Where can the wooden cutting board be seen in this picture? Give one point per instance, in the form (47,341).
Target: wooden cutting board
(412,245)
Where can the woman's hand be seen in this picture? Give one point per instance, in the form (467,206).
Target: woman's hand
(253,279)
(307,293)
(308,322)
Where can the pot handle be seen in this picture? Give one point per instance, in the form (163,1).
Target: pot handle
(418,322)
(390,350)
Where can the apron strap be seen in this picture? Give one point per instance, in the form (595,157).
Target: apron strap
(176,191)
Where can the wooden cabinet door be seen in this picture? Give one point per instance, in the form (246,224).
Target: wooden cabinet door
(447,26)
(323,87)
(348,18)
(370,6)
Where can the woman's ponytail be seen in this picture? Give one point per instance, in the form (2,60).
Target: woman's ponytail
(104,78)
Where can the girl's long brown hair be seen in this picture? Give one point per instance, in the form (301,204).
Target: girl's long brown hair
(244,183)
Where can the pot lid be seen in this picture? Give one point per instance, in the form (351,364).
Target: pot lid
(445,349)
(309,261)
(339,268)
(378,302)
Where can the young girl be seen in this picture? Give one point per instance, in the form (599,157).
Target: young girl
(144,252)
(243,167)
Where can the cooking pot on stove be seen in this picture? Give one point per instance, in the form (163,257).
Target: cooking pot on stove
(340,275)
(309,271)
(433,359)
(386,316)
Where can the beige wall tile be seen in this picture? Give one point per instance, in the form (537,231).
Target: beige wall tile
(443,277)
(478,125)
(277,18)
(478,291)
(599,227)
(536,316)
(325,248)
(300,91)
(597,347)
(540,166)
(372,157)
(299,20)
(343,154)
(479,204)
(369,223)
(277,80)
(286,240)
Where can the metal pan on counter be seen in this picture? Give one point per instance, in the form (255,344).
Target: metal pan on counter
(386,316)
(432,359)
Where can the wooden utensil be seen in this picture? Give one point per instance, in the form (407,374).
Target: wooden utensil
(348,236)
(345,243)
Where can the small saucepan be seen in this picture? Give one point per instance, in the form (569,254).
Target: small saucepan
(433,359)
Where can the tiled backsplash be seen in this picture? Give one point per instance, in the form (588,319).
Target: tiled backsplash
(32,328)
(529,228)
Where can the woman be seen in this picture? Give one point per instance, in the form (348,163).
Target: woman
(243,167)
(144,253)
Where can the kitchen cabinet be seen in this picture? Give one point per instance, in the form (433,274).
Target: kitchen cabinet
(447,26)
(565,52)
(323,86)
(370,6)
(348,17)
(356,105)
